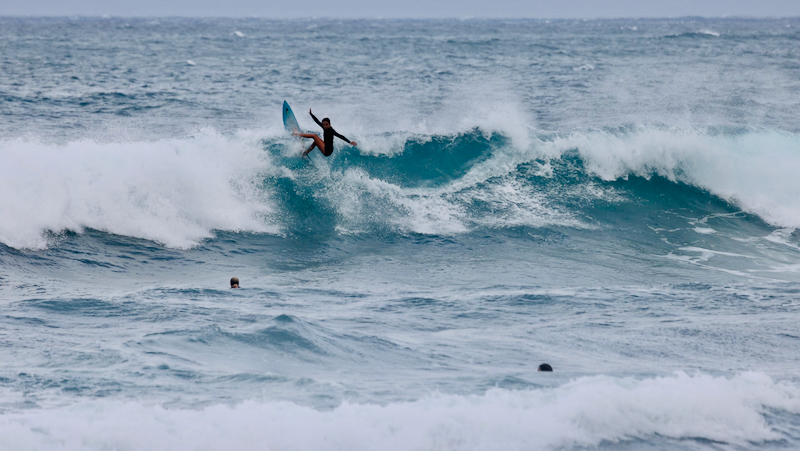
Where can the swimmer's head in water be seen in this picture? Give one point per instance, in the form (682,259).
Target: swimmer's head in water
(545,367)
(234,282)
(326,122)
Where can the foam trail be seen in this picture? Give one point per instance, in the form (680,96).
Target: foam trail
(581,413)
(173,191)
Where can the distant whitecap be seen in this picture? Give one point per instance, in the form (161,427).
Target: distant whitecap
(191,63)
(239,33)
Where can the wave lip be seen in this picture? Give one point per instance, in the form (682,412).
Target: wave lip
(756,170)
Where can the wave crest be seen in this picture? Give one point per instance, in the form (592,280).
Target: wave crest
(179,191)
(756,170)
(172,191)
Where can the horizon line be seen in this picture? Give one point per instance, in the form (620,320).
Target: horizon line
(449,18)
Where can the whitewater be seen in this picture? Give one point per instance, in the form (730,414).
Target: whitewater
(617,198)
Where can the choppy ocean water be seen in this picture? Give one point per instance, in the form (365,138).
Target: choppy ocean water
(619,199)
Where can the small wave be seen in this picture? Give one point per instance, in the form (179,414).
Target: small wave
(743,410)
(695,34)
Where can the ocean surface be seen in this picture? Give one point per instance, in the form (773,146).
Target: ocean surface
(617,198)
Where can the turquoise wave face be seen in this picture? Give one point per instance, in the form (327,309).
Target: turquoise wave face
(685,200)
(426,162)
(588,179)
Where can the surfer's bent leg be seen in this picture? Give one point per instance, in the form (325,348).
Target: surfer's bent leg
(317,142)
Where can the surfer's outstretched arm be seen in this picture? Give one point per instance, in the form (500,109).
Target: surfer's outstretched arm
(315,118)
(352,143)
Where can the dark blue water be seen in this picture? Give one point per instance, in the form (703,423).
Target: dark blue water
(617,198)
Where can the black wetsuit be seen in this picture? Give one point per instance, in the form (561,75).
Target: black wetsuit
(328,135)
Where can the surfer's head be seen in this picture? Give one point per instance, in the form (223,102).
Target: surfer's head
(326,123)
(545,367)
(234,282)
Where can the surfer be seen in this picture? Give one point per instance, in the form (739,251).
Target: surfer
(326,146)
(234,282)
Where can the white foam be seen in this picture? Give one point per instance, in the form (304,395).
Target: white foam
(514,204)
(583,412)
(782,236)
(756,170)
(173,191)
(362,200)
(706,254)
